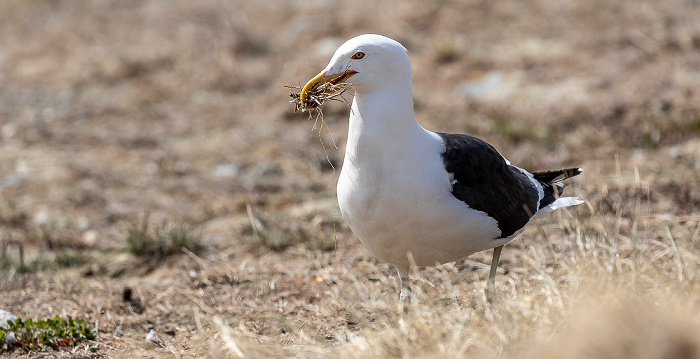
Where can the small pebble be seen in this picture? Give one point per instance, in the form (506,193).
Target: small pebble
(9,338)
(151,336)
(5,316)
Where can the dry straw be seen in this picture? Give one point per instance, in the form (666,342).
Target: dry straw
(323,93)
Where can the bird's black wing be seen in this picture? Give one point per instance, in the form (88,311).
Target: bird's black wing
(486,182)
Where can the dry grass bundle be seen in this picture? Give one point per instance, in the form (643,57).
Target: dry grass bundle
(325,92)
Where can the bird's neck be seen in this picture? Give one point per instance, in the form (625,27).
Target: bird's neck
(382,119)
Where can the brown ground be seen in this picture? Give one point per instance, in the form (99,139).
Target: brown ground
(174,113)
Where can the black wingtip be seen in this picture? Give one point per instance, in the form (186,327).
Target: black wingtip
(571,172)
(557,175)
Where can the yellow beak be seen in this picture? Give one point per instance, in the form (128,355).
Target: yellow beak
(319,80)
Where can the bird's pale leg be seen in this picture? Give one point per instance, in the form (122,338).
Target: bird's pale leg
(405,290)
(491,290)
(405,285)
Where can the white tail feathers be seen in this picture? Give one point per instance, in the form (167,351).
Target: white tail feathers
(561,202)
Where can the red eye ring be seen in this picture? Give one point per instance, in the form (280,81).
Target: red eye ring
(358,55)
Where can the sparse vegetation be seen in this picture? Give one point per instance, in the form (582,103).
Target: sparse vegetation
(446,52)
(162,241)
(71,258)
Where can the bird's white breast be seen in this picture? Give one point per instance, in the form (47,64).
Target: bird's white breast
(396,196)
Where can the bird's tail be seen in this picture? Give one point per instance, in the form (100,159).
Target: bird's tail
(553,188)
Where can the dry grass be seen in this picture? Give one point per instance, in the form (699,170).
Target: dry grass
(326,92)
(111,110)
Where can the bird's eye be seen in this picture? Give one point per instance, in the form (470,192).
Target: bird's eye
(358,56)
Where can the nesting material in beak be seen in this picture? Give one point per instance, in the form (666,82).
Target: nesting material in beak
(321,88)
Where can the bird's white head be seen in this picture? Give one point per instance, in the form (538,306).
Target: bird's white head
(372,61)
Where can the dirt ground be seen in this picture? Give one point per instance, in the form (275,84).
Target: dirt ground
(149,146)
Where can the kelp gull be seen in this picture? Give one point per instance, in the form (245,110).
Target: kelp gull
(413,196)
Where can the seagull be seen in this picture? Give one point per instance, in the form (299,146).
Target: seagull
(416,197)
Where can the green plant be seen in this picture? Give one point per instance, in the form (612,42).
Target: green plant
(39,334)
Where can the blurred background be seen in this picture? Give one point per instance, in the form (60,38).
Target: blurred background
(150,145)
